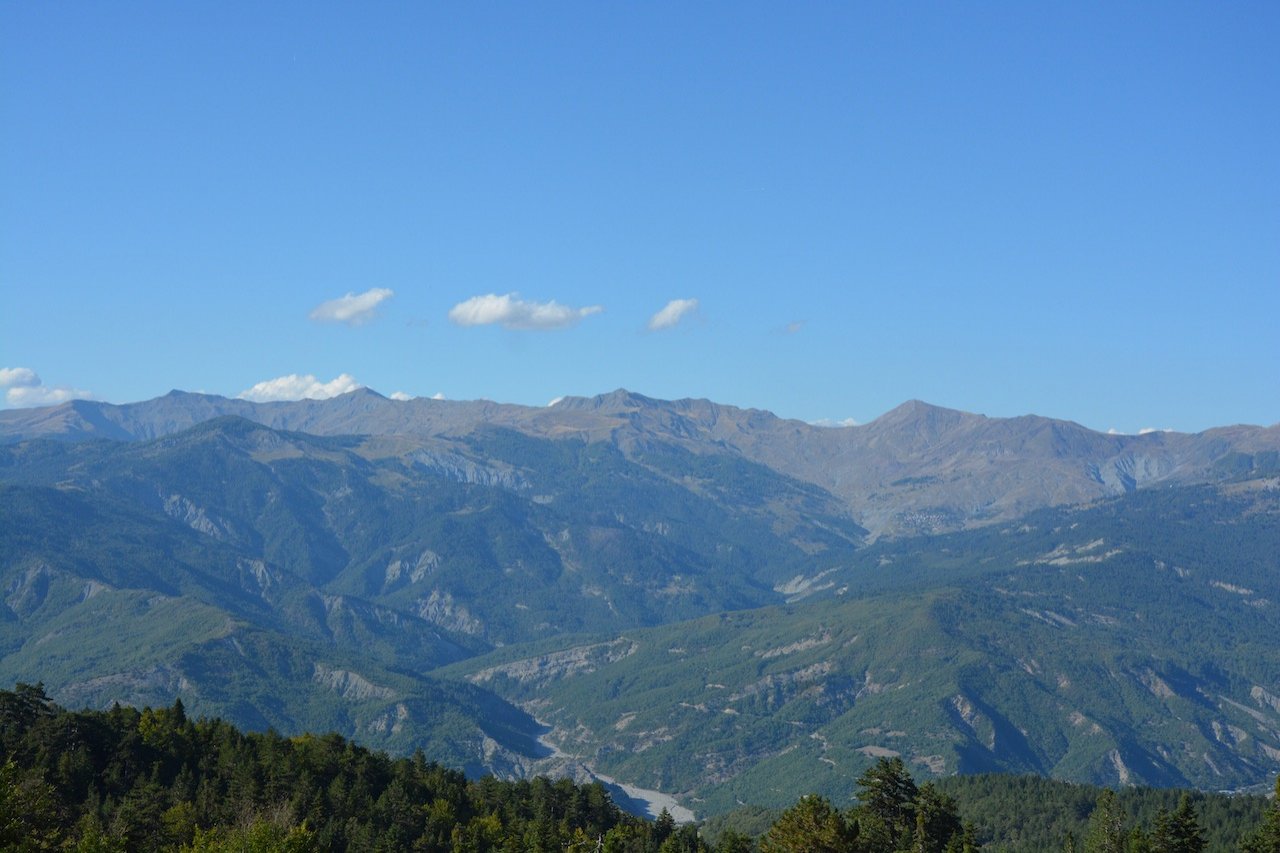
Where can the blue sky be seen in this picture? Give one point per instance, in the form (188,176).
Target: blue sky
(1066,209)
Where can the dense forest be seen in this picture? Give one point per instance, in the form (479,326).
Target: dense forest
(157,780)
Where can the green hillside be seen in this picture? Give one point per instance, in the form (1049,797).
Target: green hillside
(685,621)
(499,536)
(297,582)
(1114,644)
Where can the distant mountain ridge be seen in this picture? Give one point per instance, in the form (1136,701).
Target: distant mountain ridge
(916,469)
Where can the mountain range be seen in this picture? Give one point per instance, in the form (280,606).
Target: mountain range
(700,599)
(916,469)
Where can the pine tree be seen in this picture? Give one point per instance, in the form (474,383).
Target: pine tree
(1266,839)
(887,793)
(1178,832)
(663,826)
(937,820)
(812,825)
(1106,833)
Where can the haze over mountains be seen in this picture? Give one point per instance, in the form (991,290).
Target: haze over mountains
(705,600)
(917,468)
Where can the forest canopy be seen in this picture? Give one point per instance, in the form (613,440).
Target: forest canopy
(156,780)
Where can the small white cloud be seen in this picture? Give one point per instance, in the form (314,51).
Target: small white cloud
(554,402)
(401,396)
(830,422)
(793,327)
(512,312)
(1114,431)
(26,397)
(295,387)
(23,389)
(353,309)
(439,395)
(18,377)
(672,313)
(1146,430)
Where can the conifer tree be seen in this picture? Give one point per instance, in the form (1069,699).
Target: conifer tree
(1179,831)
(664,826)
(1106,833)
(937,820)
(1266,839)
(812,825)
(887,794)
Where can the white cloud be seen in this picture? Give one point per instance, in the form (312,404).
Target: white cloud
(829,422)
(793,327)
(512,312)
(25,397)
(401,396)
(555,401)
(295,387)
(23,389)
(1143,431)
(672,313)
(353,309)
(18,377)
(439,395)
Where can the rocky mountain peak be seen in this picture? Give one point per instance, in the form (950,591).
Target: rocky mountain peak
(618,401)
(916,421)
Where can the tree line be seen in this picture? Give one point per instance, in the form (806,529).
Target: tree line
(156,780)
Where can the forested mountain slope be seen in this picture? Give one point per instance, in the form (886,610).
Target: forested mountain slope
(669,586)
(1132,642)
(295,581)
